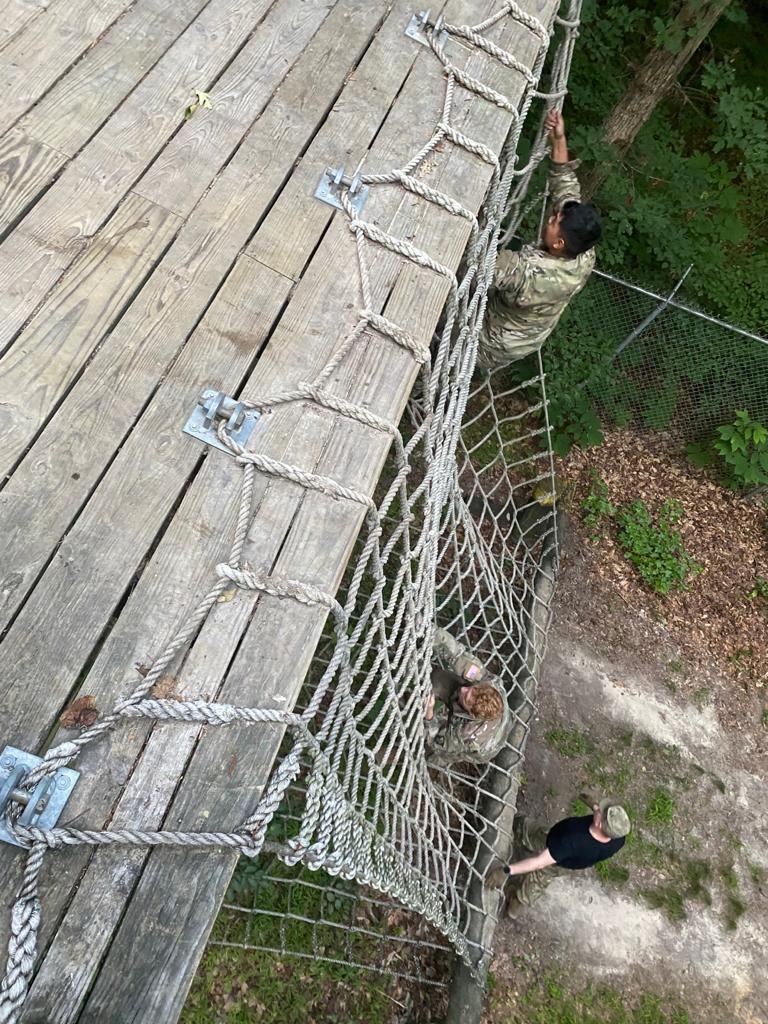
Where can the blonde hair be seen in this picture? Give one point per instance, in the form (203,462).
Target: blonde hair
(486,703)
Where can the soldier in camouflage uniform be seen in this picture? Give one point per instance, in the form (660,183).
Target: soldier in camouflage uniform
(532,287)
(468,717)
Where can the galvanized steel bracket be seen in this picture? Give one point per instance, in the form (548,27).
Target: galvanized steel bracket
(43,805)
(214,406)
(417,26)
(334,181)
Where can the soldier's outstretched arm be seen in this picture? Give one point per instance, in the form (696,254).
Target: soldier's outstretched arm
(563,183)
(524,867)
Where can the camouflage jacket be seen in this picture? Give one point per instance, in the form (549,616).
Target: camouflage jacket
(452,734)
(531,288)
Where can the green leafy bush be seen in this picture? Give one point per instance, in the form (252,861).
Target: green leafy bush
(574,421)
(743,448)
(656,548)
(597,506)
(740,450)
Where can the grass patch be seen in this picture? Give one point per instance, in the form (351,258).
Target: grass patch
(701,697)
(734,909)
(660,808)
(552,999)
(596,506)
(690,881)
(756,873)
(667,898)
(238,986)
(646,853)
(569,742)
(697,874)
(613,874)
(729,877)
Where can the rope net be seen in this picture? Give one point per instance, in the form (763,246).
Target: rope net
(459,534)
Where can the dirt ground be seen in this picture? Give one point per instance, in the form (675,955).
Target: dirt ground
(675,930)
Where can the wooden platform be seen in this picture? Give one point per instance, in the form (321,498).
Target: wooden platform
(143,257)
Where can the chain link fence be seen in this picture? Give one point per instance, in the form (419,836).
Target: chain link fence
(667,365)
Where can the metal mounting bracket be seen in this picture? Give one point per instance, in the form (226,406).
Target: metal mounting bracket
(44,804)
(416,28)
(330,186)
(213,406)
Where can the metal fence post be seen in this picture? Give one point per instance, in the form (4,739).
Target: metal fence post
(651,316)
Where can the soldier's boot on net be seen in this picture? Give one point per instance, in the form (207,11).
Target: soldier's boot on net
(513,907)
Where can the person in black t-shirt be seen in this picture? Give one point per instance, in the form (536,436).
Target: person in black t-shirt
(572,844)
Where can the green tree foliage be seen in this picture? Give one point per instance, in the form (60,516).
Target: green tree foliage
(687,190)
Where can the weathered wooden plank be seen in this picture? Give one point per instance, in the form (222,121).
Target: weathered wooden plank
(66,461)
(204,250)
(33,152)
(75,108)
(118,653)
(259,68)
(178,914)
(281,241)
(154,461)
(16,14)
(26,168)
(65,219)
(46,47)
(178,177)
(349,45)
(40,368)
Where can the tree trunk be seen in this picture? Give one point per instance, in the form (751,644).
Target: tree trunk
(653,80)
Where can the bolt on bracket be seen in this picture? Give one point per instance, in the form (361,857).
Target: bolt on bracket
(333,181)
(43,805)
(417,26)
(214,406)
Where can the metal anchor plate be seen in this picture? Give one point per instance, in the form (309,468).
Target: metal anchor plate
(214,406)
(43,806)
(416,29)
(330,188)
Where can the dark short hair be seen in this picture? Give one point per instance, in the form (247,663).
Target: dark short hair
(580,227)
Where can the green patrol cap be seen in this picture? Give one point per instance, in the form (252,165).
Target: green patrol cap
(616,823)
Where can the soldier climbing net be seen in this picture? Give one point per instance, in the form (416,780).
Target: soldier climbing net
(461,534)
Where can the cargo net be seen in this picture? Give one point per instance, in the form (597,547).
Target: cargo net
(460,535)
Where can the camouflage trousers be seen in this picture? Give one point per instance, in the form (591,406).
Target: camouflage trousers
(529,840)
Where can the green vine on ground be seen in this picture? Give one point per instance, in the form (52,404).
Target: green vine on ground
(654,547)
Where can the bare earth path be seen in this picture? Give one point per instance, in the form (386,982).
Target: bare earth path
(679,923)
